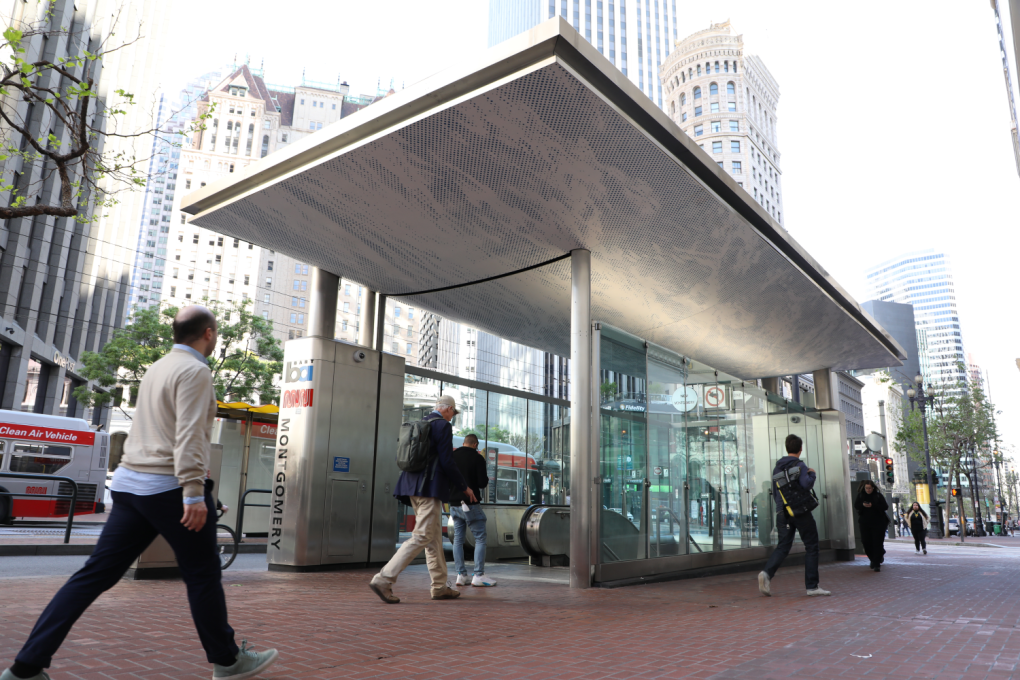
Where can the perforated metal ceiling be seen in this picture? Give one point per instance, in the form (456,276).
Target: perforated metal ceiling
(525,171)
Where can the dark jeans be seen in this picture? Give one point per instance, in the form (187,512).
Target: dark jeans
(133,524)
(873,542)
(786,526)
(919,536)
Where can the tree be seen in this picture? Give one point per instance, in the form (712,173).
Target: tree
(961,420)
(69,155)
(244,364)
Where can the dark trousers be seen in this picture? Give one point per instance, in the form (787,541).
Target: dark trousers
(133,524)
(919,539)
(873,540)
(786,526)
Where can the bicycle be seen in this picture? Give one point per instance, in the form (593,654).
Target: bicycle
(226,546)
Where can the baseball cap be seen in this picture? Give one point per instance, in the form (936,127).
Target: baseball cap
(447,400)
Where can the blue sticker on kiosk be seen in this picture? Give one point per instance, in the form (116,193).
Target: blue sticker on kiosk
(341,464)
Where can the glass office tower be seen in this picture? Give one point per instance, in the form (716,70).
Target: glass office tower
(635,35)
(924,280)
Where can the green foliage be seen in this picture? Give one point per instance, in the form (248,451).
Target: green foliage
(247,358)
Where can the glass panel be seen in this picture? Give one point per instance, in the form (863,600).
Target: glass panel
(667,458)
(778,428)
(545,446)
(230,434)
(505,434)
(622,380)
(814,457)
(420,396)
(757,458)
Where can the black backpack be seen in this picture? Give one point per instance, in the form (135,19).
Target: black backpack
(415,451)
(796,499)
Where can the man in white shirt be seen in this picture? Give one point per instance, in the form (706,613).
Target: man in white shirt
(159,489)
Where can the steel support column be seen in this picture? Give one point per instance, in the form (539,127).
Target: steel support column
(581,454)
(322,307)
(366,320)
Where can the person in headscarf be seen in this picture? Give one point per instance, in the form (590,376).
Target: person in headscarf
(918,519)
(871,508)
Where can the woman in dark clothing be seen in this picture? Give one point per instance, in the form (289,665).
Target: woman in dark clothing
(918,519)
(871,508)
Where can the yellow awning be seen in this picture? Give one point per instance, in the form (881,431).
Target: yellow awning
(241,406)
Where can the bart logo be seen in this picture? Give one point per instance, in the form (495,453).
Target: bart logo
(297,373)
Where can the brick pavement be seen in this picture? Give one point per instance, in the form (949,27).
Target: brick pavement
(952,614)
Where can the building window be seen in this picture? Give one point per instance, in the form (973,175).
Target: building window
(683,99)
(265,314)
(246,277)
(265,146)
(266,297)
(714,107)
(300,318)
(293,302)
(187,184)
(302,102)
(343,324)
(269,266)
(735,146)
(716,126)
(683,116)
(410,312)
(731,88)
(173,290)
(736,167)
(699,72)
(396,312)
(334,107)
(293,319)
(347,308)
(732,107)
(194,238)
(408,348)
(713,88)
(697,111)
(347,289)
(697,90)
(734,126)
(699,130)
(269,282)
(717,147)
(720,164)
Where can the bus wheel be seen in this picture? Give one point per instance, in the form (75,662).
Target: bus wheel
(5,509)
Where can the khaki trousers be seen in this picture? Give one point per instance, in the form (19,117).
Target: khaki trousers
(428,536)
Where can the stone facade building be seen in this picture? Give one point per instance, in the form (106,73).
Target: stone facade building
(726,100)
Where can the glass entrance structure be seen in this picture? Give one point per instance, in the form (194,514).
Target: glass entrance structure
(686,453)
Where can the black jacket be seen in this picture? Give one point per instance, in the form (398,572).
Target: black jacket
(873,517)
(472,468)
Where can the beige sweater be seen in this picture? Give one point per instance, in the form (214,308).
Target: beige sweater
(174,415)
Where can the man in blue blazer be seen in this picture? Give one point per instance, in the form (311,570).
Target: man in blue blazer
(426,491)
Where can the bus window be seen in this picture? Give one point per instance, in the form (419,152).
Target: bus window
(506,486)
(37,459)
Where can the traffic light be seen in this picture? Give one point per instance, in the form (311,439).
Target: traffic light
(890,476)
(956,492)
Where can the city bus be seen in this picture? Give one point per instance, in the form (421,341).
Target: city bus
(33,443)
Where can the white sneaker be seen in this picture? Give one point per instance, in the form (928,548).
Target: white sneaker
(818,591)
(483,582)
(463,580)
(764,584)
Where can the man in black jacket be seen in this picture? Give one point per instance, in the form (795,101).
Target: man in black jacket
(472,468)
(787,523)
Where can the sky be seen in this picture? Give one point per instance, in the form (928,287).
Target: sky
(893,123)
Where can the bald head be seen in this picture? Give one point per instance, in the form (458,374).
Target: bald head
(195,325)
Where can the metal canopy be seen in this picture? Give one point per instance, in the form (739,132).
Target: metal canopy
(541,147)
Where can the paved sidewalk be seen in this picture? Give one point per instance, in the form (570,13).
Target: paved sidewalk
(951,614)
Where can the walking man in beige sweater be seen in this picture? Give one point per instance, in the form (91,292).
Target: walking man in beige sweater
(159,488)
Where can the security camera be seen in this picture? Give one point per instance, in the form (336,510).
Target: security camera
(359,356)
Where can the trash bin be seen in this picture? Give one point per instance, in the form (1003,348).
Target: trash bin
(998,529)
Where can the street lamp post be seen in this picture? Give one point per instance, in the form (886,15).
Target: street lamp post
(918,396)
(979,522)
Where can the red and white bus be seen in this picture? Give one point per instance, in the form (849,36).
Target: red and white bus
(50,445)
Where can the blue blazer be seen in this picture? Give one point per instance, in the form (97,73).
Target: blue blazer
(439,478)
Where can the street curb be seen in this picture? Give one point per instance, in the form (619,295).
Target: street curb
(940,541)
(58,549)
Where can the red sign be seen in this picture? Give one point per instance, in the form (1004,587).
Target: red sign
(296,398)
(261,430)
(35,489)
(47,434)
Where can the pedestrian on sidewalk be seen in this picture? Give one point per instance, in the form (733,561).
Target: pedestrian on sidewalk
(159,489)
(792,481)
(472,468)
(426,491)
(918,527)
(871,509)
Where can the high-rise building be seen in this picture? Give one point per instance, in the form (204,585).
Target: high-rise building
(924,280)
(64,283)
(636,35)
(1003,30)
(898,320)
(726,101)
(250,120)
(172,119)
